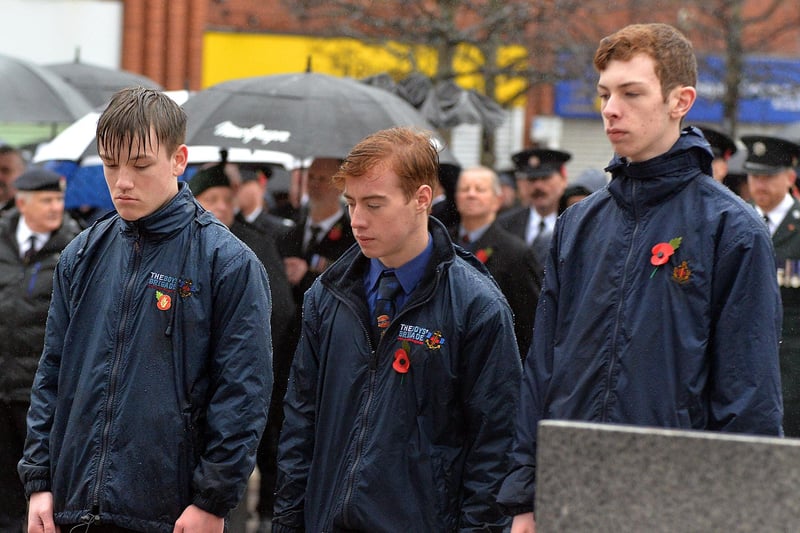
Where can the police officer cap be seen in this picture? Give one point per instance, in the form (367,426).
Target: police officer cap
(539,162)
(40,179)
(208,177)
(722,146)
(769,155)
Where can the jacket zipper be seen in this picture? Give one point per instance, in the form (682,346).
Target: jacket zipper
(112,383)
(373,378)
(613,356)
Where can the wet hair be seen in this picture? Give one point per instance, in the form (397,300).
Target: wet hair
(675,62)
(410,153)
(131,114)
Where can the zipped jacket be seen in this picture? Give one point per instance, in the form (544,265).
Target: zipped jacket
(153,387)
(24,299)
(366,447)
(687,339)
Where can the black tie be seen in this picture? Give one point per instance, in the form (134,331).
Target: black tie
(541,243)
(388,289)
(312,242)
(30,250)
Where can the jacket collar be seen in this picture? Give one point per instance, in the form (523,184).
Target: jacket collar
(649,183)
(347,273)
(168,220)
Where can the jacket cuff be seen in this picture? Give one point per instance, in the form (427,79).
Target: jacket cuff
(36,485)
(281,528)
(210,506)
(514,510)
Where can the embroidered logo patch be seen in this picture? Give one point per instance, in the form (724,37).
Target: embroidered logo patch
(433,340)
(167,286)
(681,273)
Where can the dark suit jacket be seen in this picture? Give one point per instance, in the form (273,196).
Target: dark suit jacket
(276,227)
(513,266)
(515,220)
(333,244)
(786,241)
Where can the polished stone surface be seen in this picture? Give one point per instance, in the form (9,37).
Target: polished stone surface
(599,477)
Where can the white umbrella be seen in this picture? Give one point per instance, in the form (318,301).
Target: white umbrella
(77,141)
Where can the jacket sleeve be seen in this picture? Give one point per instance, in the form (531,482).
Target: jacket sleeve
(34,467)
(296,443)
(490,388)
(745,390)
(518,491)
(240,370)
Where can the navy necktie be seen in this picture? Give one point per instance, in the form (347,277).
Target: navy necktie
(385,305)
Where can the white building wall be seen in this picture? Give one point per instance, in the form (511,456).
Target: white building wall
(50,31)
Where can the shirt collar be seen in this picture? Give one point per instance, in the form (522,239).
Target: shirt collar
(408,275)
(475,234)
(777,215)
(24,233)
(325,225)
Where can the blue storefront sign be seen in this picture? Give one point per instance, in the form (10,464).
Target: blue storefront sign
(770,93)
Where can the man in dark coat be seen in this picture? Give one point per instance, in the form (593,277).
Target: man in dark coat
(770,167)
(31,239)
(541,180)
(252,205)
(213,190)
(322,232)
(510,261)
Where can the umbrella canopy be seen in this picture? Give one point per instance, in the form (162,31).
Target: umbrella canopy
(30,93)
(306,115)
(96,83)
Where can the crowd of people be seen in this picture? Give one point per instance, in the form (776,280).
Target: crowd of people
(384,351)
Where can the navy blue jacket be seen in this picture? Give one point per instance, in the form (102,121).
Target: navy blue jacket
(153,387)
(691,344)
(367,448)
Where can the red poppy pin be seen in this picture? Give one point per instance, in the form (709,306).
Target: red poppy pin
(163,301)
(335,233)
(662,252)
(483,254)
(402,363)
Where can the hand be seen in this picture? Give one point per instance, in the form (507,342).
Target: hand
(195,520)
(40,514)
(296,268)
(523,523)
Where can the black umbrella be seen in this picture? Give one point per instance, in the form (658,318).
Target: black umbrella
(30,93)
(96,83)
(306,114)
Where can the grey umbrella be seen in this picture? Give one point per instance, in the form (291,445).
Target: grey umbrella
(306,114)
(30,93)
(97,83)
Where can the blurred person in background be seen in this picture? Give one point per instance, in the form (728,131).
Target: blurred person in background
(509,260)
(12,164)
(32,237)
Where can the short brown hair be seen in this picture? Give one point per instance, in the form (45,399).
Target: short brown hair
(675,62)
(410,153)
(132,112)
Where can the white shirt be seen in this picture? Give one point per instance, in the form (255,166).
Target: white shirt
(777,215)
(24,234)
(324,225)
(533,224)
